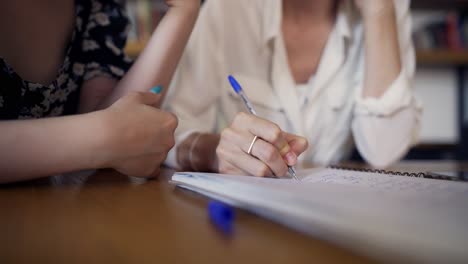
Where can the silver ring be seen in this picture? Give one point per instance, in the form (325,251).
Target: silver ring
(251,145)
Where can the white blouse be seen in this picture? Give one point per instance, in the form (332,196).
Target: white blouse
(244,38)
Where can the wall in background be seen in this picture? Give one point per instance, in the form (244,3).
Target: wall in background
(465,110)
(436,88)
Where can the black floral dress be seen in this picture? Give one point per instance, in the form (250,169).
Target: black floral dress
(96,49)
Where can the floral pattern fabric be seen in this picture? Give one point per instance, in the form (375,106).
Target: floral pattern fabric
(96,49)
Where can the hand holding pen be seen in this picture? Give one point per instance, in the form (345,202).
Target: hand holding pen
(255,146)
(135,136)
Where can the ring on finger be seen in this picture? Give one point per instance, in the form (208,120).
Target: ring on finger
(251,145)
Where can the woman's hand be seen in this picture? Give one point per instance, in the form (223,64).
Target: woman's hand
(369,8)
(138,135)
(271,153)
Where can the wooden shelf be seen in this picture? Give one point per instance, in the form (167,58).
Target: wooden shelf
(442,57)
(457,5)
(435,146)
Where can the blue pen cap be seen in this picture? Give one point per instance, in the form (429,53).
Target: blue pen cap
(222,216)
(235,85)
(157,89)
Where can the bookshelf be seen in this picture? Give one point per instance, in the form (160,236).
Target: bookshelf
(448,59)
(144,17)
(134,48)
(460,5)
(424,57)
(442,57)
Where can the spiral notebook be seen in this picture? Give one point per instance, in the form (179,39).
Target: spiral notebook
(384,216)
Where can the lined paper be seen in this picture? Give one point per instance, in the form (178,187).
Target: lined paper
(383,216)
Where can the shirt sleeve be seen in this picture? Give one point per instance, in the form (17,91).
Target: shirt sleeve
(104,39)
(194,92)
(400,94)
(385,128)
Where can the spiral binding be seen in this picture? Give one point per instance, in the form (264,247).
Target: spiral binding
(397,173)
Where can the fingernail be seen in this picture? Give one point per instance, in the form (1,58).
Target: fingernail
(291,158)
(156,89)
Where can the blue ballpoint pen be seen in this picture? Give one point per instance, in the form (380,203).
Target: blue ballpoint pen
(238,89)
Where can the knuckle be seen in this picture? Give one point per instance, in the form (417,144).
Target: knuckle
(306,143)
(171,142)
(218,151)
(161,159)
(172,121)
(221,153)
(240,117)
(224,133)
(275,135)
(262,171)
(227,133)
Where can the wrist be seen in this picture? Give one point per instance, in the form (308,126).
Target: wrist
(378,23)
(101,140)
(198,152)
(378,12)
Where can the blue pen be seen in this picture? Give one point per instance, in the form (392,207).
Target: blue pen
(222,216)
(238,89)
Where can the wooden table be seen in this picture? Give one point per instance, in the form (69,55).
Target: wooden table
(110,219)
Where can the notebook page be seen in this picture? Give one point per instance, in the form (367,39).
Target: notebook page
(344,209)
(399,185)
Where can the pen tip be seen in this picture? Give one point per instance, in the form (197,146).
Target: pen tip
(292,171)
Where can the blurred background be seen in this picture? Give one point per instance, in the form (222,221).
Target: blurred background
(440,33)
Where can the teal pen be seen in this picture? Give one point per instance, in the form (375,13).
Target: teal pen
(238,89)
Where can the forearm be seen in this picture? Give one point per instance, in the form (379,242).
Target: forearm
(36,148)
(198,152)
(158,61)
(383,61)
